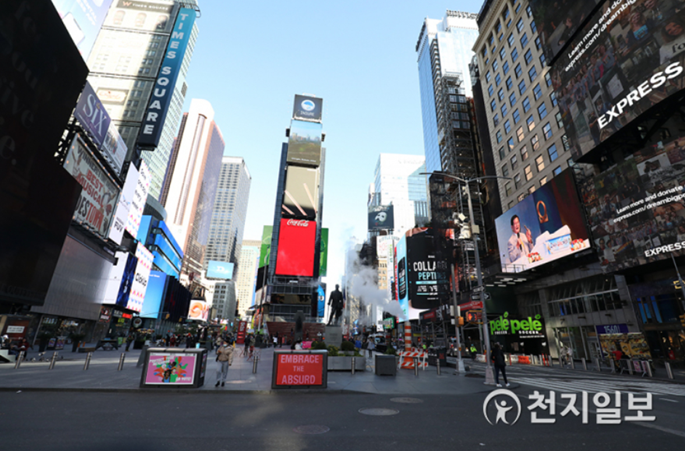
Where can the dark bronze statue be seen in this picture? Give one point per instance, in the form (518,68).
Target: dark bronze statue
(337,304)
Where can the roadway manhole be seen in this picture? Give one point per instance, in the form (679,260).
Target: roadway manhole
(312,429)
(378,411)
(407,400)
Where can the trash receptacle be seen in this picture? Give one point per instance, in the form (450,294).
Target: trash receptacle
(437,353)
(177,367)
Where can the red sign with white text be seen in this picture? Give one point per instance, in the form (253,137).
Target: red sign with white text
(296,248)
(299,369)
(242,328)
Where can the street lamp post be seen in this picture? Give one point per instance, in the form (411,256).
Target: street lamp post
(489,377)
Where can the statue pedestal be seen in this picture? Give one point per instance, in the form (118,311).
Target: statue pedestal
(334,336)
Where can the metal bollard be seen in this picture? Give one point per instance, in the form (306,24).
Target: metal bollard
(584,363)
(416,366)
(88,357)
(649,368)
(121,362)
(599,367)
(353,365)
(20,357)
(669,371)
(573,364)
(437,365)
(52,360)
(254,364)
(630,367)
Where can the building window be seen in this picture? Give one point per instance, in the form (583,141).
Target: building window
(557,170)
(519,25)
(537,92)
(507,126)
(548,79)
(529,11)
(504,109)
(528,172)
(505,68)
(532,73)
(500,93)
(501,153)
(502,53)
(543,181)
(542,111)
(538,44)
(516,115)
(542,59)
(495,64)
(493,105)
(552,151)
(531,190)
(524,153)
(514,162)
(495,119)
(518,71)
(524,41)
(487,76)
(507,188)
(553,98)
(540,162)
(526,105)
(498,79)
(535,142)
(509,83)
(510,39)
(560,122)
(505,171)
(517,180)
(491,90)
(565,142)
(547,131)
(521,197)
(533,27)
(514,54)
(512,99)
(531,123)
(519,134)
(510,142)
(522,87)
(498,135)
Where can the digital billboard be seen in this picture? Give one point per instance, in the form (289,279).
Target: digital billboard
(427,276)
(265,250)
(296,248)
(83,19)
(153,121)
(301,195)
(219,270)
(199,310)
(95,208)
(140,278)
(545,226)
(135,213)
(381,217)
(304,143)
(156,286)
(140,15)
(627,59)
(323,262)
(116,232)
(307,108)
(636,210)
(558,21)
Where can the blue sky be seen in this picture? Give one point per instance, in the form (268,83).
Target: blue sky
(251,59)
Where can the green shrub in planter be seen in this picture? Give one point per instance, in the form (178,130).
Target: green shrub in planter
(318,345)
(347,346)
(332,351)
(390,351)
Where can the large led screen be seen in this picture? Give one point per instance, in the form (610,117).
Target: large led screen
(156,287)
(83,19)
(381,217)
(301,196)
(219,270)
(296,248)
(636,209)
(304,143)
(627,59)
(323,262)
(265,249)
(545,226)
(557,21)
(307,108)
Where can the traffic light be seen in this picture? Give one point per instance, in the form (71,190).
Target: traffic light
(682,320)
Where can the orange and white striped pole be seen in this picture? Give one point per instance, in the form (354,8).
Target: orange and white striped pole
(408,361)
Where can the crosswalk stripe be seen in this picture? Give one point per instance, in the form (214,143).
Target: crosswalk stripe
(602,386)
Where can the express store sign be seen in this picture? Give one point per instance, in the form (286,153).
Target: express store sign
(303,369)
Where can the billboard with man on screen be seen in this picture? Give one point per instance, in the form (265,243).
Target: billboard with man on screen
(545,226)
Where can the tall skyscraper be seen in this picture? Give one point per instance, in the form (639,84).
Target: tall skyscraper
(191,183)
(247,272)
(398,181)
(444,48)
(124,65)
(229,212)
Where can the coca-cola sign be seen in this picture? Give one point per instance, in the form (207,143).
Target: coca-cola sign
(297,223)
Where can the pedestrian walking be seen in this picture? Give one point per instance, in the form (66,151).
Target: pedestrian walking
(224,355)
(497,357)
(129,340)
(275,340)
(371,346)
(473,352)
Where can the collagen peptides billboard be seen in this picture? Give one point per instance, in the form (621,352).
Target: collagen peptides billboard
(301,196)
(545,226)
(296,248)
(381,217)
(557,21)
(637,210)
(627,59)
(304,143)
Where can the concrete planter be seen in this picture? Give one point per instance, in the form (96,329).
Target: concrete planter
(386,365)
(344,363)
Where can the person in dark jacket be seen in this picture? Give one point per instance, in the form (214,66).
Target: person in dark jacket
(497,357)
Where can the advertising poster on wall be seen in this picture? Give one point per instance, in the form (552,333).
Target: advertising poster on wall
(381,217)
(323,262)
(120,219)
(307,108)
(219,270)
(140,279)
(99,196)
(627,59)
(304,143)
(135,213)
(83,19)
(156,286)
(92,115)
(140,15)
(199,310)
(299,369)
(301,195)
(171,369)
(265,250)
(636,210)
(545,226)
(296,248)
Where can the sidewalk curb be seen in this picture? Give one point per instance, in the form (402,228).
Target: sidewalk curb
(177,391)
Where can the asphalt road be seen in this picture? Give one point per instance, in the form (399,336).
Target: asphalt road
(64,420)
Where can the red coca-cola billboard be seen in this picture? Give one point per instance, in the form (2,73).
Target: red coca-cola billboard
(296,248)
(242,328)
